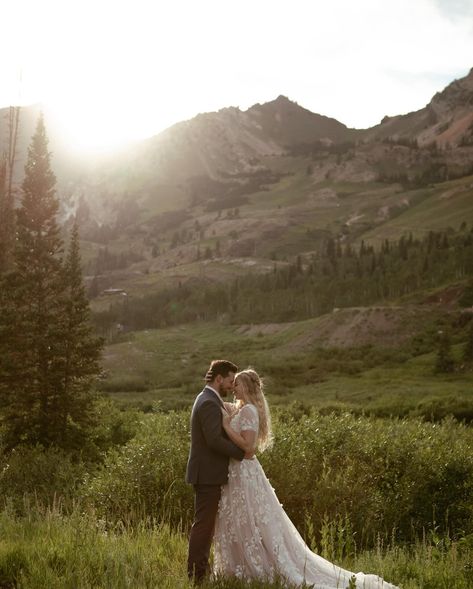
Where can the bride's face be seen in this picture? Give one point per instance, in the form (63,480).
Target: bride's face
(239,390)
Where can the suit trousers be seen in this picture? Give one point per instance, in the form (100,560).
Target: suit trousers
(207,498)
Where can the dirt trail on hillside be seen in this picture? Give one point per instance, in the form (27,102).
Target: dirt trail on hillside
(379,326)
(358,326)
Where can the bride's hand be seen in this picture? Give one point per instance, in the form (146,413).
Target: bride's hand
(225,419)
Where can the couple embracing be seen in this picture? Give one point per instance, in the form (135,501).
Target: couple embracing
(235,503)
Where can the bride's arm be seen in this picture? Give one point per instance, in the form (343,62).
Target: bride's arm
(246,440)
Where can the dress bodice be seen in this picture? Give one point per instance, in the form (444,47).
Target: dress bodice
(247,419)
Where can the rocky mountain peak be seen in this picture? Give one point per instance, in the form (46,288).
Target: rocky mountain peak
(457,94)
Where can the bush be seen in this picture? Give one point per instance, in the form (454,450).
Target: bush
(115,427)
(145,478)
(38,475)
(405,475)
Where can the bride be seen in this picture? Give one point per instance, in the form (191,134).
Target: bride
(254,537)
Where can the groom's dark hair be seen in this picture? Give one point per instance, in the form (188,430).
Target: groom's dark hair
(219,367)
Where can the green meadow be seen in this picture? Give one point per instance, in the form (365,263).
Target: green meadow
(166,367)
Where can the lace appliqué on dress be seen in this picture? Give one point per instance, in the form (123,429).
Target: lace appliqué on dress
(247,419)
(254,537)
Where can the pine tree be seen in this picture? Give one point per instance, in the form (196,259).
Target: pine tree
(42,356)
(81,351)
(33,355)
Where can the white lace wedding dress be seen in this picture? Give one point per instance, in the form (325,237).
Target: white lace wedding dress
(254,538)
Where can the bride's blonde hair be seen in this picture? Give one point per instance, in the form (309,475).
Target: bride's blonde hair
(253,386)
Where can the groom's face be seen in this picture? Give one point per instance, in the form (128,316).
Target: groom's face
(226,384)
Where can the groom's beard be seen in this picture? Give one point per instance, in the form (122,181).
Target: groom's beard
(222,391)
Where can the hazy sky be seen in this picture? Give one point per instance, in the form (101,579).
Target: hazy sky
(115,70)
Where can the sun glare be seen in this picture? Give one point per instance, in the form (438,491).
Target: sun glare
(82,126)
(114,71)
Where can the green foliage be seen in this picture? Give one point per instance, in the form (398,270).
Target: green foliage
(30,370)
(384,475)
(48,355)
(31,475)
(46,550)
(166,366)
(468,346)
(466,300)
(81,348)
(347,483)
(352,583)
(7,226)
(13,565)
(114,428)
(365,476)
(332,278)
(146,476)
(444,361)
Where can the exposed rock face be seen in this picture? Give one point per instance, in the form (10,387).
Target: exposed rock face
(446,121)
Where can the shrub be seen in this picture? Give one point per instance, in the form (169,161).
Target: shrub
(383,474)
(38,475)
(405,475)
(145,478)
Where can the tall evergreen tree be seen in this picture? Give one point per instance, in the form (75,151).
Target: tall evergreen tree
(33,353)
(44,333)
(81,350)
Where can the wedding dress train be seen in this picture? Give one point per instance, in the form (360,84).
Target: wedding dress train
(254,537)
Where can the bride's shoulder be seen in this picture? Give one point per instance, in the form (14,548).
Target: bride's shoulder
(250,408)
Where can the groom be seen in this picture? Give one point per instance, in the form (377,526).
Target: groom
(207,467)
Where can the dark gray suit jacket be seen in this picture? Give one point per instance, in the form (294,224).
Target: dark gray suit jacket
(210,447)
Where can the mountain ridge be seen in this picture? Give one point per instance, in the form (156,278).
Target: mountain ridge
(233,190)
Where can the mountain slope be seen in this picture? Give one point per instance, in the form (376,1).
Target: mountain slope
(233,191)
(446,121)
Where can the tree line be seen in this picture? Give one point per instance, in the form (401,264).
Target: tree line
(339,275)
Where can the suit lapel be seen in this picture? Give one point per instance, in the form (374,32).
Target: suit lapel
(211,392)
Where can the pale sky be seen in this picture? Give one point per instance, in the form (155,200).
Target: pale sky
(110,71)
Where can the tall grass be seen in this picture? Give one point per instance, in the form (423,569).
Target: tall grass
(47,550)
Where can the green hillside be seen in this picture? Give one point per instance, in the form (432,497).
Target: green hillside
(443,206)
(300,364)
